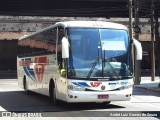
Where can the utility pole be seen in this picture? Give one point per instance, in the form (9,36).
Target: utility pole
(130,20)
(157,42)
(131,35)
(152,41)
(137,69)
(136,19)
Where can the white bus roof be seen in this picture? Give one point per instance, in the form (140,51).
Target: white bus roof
(92,24)
(84,24)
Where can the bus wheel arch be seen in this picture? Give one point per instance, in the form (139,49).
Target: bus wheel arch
(52,91)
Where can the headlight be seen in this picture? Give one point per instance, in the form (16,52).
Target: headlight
(74,88)
(125,87)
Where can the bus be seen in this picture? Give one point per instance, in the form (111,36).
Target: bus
(78,61)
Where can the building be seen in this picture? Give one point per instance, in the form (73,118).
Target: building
(12,28)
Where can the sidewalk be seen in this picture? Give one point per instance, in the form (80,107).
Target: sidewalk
(146,83)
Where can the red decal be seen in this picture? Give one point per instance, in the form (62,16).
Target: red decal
(39,67)
(95,84)
(24,63)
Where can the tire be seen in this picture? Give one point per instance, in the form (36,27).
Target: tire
(106,103)
(27,92)
(53,94)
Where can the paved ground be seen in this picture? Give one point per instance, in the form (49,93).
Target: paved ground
(146,97)
(12,98)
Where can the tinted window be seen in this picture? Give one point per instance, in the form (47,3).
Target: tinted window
(41,43)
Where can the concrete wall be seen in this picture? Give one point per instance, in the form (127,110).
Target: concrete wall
(30,24)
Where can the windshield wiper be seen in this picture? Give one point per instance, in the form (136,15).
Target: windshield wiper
(94,64)
(112,68)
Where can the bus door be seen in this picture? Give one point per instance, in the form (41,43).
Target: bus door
(61,80)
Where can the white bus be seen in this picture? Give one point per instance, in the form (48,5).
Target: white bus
(78,61)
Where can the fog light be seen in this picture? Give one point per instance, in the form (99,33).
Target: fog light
(71,96)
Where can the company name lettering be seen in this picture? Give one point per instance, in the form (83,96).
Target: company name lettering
(25,63)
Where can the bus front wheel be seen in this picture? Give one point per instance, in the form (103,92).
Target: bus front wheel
(53,94)
(106,103)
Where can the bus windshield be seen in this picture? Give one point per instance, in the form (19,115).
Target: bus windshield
(99,53)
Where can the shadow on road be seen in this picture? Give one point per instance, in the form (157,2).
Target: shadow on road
(146,92)
(18,101)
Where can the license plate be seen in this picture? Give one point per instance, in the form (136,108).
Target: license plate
(103,96)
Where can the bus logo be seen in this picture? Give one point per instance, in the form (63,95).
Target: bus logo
(36,72)
(103,87)
(95,84)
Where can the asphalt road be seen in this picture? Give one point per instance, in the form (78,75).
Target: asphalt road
(13,99)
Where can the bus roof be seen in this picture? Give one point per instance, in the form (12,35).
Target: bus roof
(94,24)
(84,24)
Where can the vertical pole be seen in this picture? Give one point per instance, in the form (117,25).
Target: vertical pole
(137,62)
(152,42)
(157,42)
(130,20)
(131,32)
(136,19)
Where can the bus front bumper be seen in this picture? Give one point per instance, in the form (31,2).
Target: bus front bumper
(99,97)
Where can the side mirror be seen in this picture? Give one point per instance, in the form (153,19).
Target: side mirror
(65,48)
(138,47)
